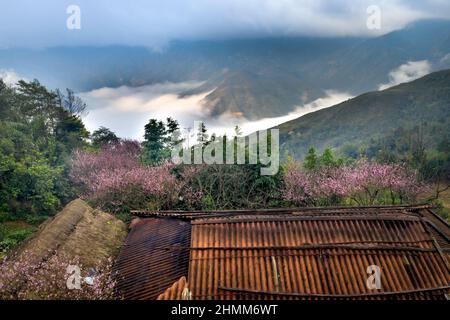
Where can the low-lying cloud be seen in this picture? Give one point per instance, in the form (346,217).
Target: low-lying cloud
(225,123)
(126,110)
(407,72)
(10,77)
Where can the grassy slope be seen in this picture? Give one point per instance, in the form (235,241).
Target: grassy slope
(443,203)
(12,233)
(445,199)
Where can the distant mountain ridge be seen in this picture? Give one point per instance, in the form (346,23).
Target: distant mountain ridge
(257,78)
(425,101)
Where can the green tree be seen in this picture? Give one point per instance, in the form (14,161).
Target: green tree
(159,140)
(154,142)
(173,134)
(328,160)
(172,125)
(311,161)
(202,135)
(103,136)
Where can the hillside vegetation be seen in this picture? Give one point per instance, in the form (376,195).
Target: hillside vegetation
(359,122)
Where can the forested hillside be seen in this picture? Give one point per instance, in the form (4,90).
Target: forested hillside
(419,110)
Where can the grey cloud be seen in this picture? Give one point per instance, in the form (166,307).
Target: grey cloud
(151,23)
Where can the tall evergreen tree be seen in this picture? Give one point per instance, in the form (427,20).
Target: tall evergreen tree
(311,161)
(154,142)
(173,134)
(202,135)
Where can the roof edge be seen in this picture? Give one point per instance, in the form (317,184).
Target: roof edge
(194,213)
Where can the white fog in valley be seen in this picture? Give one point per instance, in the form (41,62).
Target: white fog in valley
(126,110)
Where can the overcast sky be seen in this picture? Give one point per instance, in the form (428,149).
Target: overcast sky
(28,23)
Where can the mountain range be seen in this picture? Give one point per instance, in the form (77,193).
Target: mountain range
(250,78)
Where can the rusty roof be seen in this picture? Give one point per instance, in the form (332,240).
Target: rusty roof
(154,256)
(293,211)
(175,292)
(307,253)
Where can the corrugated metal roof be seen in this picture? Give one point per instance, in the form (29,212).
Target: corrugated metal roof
(438,227)
(296,211)
(178,291)
(314,257)
(154,256)
(294,254)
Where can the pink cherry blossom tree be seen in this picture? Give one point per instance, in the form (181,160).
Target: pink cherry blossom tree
(364,183)
(113,179)
(369,182)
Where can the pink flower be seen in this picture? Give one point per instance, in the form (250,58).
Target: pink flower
(113,177)
(364,182)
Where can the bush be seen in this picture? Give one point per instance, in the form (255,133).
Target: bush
(10,236)
(233,187)
(35,220)
(4,217)
(20,235)
(7,244)
(207,203)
